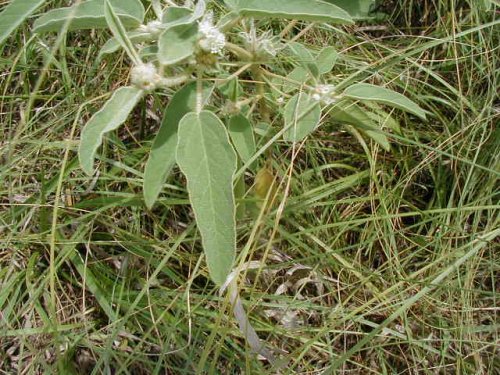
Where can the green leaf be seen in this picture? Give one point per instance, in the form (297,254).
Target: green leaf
(181,15)
(90,15)
(177,43)
(326,60)
(357,9)
(162,155)
(302,115)
(293,81)
(149,53)
(110,117)
(14,15)
(240,190)
(365,91)
(241,133)
(113,45)
(296,78)
(176,16)
(119,32)
(367,122)
(206,157)
(485,4)
(231,89)
(303,10)
(380,138)
(304,57)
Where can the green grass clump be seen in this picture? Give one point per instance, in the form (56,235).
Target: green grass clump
(373,262)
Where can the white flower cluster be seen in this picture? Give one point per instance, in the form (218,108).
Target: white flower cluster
(212,40)
(263,44)
(154,28)
(324,94)
(145,76)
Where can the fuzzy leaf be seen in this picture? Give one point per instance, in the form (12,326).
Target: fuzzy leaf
(208,160)
(113,45)
(110,117)
(162,155)
(177,43)
(14,15)
(304,57)
(176,15)
(365,91)
(357,9)
(303,10)
(302,114)
(326,59)
(241,133)
(296,78)
(119,32)
(90,15)
(181,15)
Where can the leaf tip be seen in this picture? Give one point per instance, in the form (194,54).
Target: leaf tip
(149,200)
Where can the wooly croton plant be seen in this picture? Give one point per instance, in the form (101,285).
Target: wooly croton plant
(201,51)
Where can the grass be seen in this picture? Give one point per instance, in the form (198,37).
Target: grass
(375,263)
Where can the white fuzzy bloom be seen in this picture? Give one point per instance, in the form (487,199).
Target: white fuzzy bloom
(212,40)
(324,94)
(264,43)
(145,76)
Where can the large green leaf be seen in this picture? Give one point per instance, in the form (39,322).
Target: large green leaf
(241,133)
(365,91)
(177,43)
(14,14)
(304,10)
(208,160)
(162,155)
(90,15)
(302,115)
(110,117)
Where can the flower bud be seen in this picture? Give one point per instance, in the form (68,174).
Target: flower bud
(324,94)
(145,76)
(153,28)
(261,45)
